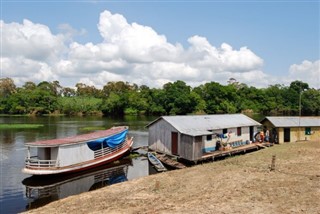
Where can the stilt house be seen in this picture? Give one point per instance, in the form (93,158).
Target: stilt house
(191,137)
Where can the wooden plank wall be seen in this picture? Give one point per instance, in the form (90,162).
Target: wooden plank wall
(186,147)
(160,136)
(198,145)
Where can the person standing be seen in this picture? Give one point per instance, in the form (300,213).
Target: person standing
(267,135)
(261,136)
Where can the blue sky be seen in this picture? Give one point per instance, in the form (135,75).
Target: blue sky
(266,42)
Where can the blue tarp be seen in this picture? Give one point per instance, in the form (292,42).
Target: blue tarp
(111,141)
(117,179)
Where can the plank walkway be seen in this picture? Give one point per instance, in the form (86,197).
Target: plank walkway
(170,160)
(241,149)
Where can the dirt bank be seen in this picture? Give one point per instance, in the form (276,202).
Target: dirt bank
(242,184)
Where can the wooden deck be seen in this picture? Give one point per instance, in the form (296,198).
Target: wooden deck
(171,160)
(233,151)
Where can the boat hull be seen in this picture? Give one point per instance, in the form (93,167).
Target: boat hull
(156,162)
(83,165)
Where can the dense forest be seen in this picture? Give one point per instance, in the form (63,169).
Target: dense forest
(119,98)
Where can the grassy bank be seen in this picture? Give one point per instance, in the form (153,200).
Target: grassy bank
(242,184)
(20,126)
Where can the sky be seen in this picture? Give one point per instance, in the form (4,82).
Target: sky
(259,43)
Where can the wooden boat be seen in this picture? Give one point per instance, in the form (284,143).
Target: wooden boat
(156,163)
(170,162)
(77,153)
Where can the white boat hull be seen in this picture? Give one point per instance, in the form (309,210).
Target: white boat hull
(77,153)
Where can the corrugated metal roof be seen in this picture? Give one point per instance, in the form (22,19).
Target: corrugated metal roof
(196,125)
(77,139)
(294,121)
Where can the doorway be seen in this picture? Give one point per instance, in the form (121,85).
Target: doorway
(286,134)
(47,154)
(251,133)
(174,143)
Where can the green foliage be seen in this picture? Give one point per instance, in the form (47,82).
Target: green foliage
(20,126)
(178,98)
(113,105)
(310,101)
(92,128)
(79,105)
(216,98)
(118,98)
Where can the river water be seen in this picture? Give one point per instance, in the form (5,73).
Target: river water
(20,192)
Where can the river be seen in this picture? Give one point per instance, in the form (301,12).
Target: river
(20,192)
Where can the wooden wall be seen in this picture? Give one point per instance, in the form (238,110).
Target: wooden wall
(186,147)
(160,136)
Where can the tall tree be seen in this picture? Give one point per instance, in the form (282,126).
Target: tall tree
(7,87)
(29,86)
(178,99)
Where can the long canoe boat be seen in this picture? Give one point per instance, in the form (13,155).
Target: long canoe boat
(156,162)
(77,153)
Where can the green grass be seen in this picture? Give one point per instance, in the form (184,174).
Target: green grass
(92,128)
(20,126)
(134,155)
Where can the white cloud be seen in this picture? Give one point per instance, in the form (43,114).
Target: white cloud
(69,32)
(307,71)
(23,70)
(129,52)
(136,43)
(30,40)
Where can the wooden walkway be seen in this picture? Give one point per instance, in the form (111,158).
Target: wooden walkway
(233,151)
(171,160)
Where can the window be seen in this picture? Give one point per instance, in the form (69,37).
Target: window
(239,131)
(308,131)
(209,137)
(198,139)
(225,131)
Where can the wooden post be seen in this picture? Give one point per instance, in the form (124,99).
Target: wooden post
(273,163)
(157,185)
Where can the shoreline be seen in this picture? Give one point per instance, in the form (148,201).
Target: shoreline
(240,184)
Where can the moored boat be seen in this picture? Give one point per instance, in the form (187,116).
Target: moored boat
(156,162)
(77,153)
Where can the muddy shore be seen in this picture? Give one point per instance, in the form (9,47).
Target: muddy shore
(240,184)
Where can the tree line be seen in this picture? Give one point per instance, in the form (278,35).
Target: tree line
(177,98)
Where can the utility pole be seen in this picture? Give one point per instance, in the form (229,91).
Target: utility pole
(300,94)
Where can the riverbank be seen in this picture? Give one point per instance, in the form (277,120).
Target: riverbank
(241,184)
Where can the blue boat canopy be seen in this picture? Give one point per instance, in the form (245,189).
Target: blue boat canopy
(110,141)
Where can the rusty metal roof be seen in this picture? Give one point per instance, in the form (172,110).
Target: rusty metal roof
(78,138)
(294,121)
(197,125)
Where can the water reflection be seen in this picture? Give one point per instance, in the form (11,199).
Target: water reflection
(44,189)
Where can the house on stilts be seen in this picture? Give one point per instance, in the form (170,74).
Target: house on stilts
(197,137)
(291,129)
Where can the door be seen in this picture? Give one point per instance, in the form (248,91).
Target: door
(47,154)
(174,143)
(47,157)
(286,135)
(251,133)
